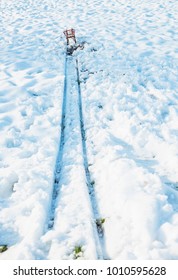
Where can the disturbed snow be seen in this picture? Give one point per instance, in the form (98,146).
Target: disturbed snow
(128,78)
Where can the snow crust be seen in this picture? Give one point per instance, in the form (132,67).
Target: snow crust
(128,77)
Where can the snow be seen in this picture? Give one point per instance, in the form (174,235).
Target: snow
(128,79)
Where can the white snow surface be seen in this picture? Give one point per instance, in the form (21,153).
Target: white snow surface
(129,79)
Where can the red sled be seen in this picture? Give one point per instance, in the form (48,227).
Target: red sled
(70,34)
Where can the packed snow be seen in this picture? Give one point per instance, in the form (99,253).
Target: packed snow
(129,78)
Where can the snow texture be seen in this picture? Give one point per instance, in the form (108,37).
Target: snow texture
(128,71)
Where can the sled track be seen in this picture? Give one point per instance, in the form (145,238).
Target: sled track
(98,238)
(56,186)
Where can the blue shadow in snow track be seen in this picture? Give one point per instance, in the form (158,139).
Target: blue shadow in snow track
(99,233)
(58,167)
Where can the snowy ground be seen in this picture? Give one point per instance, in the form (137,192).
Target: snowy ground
(128,77)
